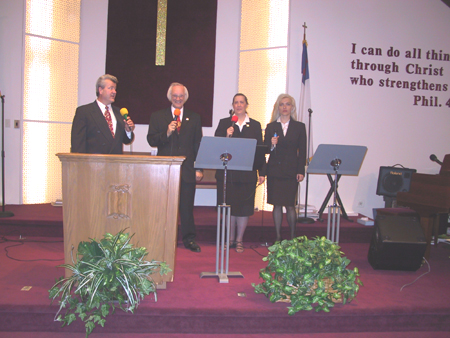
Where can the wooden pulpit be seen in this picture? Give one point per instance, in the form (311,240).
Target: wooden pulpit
(108,193)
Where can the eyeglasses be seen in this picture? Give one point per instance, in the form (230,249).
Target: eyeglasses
(177,96)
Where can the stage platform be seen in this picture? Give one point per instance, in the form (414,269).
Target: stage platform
(202,307)
(47,221)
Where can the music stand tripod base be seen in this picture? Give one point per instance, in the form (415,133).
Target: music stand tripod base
(305,220)
(223,278)
(222,256)
(6,214)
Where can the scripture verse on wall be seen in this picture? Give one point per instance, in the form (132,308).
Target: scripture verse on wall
(419,71)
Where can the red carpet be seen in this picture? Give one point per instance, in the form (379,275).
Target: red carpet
(191,306)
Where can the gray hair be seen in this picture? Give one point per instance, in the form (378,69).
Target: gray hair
(276,107)
(169,92)
(101,82)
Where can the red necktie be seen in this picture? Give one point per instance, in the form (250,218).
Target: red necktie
(178,120)
(108,119)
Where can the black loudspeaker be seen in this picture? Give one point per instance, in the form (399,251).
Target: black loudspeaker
(391,180)
(397,243)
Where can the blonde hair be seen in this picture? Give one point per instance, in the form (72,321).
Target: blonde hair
(276,107)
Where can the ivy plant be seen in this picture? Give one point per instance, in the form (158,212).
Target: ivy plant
(308,274)
(107,274)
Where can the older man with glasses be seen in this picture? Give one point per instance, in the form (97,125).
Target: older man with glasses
(177,131)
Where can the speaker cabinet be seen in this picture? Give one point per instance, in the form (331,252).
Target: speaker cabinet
(397,243)
(391,180)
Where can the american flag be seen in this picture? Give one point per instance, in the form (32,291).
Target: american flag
(305,98)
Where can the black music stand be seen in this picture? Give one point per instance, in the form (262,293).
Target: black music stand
(224,153)
(351,158)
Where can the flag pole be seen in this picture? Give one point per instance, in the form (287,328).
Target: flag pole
(304,31)
(306,219)
(3,213)
(305,77)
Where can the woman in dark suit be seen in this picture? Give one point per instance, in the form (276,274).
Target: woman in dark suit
(241,185)
(286,139)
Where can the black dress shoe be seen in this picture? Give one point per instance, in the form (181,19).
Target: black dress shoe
(192,246)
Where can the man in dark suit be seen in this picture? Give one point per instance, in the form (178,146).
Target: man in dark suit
(98,127)
(180,138)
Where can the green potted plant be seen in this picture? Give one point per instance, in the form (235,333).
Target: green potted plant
(308,274)
(107,274)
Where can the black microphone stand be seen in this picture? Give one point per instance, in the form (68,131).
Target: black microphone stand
(3,213)
(306,219)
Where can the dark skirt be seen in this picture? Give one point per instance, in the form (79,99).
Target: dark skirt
(241,197)
(281,191)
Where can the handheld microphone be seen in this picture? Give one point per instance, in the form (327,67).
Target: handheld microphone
(124,113)
(234,119)
(310,110)
(274,145)
(435,159)
(176,117)
(176,113)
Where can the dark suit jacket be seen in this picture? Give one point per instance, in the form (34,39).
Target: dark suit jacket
(185,143)
(91,134)
(289,157)
(251,130)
